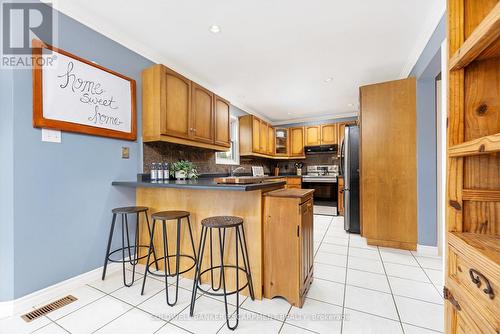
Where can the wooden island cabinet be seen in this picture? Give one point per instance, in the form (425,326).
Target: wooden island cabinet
(288,243)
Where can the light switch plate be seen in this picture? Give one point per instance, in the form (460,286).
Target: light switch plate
(51,136)
(125,152)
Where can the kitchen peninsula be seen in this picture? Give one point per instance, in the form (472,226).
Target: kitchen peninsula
(203,198)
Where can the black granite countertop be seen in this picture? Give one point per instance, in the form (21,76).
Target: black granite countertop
(200,183)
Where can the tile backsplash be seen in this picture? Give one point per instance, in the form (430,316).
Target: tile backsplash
(202,158)
(205,159)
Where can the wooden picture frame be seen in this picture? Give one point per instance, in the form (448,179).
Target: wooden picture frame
(40,121)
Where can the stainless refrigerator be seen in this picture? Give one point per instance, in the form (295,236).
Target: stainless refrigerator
(350,170)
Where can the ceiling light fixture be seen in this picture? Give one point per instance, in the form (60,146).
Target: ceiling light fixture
(328,79)
(214,29)
(350,105)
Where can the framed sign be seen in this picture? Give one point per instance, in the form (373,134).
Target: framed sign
(76,95)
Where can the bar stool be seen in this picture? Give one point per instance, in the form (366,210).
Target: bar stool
(221,223)
(164,216)
(124,212)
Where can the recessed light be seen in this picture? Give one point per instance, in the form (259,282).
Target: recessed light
(350,105)
(289,113)
(329,79)
(214,29)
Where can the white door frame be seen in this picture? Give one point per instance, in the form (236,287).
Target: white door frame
(441,128)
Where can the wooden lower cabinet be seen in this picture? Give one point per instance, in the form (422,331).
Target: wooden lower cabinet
(293,182)
(472,284)
(340,201)
(288,244)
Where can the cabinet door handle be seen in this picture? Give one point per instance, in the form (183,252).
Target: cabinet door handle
(477,278)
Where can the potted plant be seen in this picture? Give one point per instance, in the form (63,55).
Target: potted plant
(183,169)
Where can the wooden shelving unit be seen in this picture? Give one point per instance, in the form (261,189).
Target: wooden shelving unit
(473,168)
(483,145)
(484,36)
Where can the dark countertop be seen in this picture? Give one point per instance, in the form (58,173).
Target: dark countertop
(200,183)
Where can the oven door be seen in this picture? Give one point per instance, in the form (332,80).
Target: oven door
(325,191)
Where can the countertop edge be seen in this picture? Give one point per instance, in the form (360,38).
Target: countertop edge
(226,187)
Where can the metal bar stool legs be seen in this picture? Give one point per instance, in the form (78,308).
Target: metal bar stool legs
(133,256)
(221,224)
(164,217)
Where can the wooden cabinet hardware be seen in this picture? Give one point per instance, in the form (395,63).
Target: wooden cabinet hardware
(449,297)
(477,278)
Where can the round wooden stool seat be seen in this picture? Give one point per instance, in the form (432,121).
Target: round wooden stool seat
(222,221)
(129,209)
(170,215)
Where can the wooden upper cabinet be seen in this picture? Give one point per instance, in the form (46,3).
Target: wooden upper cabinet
(202,114)
(222,122)
(281,142)
(271,137)
(264,133)
(255,134)
(175,95)
(329,134)
(296,142)
(313,135)
(177,110)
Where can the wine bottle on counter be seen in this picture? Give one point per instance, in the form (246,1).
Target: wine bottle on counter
(159,172)
(154,172)
(166,172)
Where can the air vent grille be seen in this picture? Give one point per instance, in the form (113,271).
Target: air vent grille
(41,311)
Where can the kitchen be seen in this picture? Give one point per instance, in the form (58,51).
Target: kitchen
(176,168)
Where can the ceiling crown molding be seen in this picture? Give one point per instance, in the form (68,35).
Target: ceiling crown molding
(315,119)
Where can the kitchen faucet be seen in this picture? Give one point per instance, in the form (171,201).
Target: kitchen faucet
(234,170)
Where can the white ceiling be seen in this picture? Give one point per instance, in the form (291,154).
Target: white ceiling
(272,56)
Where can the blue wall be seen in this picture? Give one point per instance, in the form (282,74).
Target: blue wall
(6,186)
(62,192)
(425,70)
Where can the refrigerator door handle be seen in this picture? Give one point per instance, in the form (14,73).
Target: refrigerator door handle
(342,154)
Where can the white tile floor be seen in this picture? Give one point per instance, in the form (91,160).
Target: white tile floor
(357,289)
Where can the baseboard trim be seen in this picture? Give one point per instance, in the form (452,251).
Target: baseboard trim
(46,295)
(392,244)
(425,250)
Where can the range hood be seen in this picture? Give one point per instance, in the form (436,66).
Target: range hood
(321,149)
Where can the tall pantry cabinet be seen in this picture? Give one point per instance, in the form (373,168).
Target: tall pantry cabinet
(472,270)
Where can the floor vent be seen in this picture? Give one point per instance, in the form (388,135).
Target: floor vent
(41,311)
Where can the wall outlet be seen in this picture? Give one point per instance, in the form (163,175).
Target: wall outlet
(125,152)
(51,136)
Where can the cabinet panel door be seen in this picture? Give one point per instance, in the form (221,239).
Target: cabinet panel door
(176,91)
(388,129)
(222,120)
(256,134)
(202,114)
(313,135)
(329,134)
(271,146)
(296,142)
(281,142)
(306,243)
(263,137)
